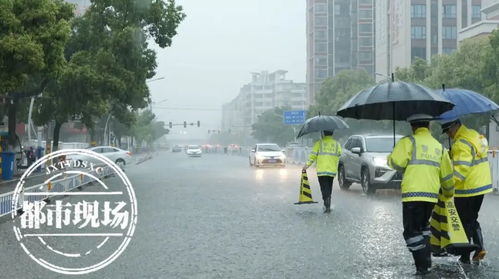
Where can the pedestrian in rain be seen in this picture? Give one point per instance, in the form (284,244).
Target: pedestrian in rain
(472,179)
(325,153)
(427,168)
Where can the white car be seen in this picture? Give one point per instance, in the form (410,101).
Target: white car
(267,154)
(194,151)
(119,156)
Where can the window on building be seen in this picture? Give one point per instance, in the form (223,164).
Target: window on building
(365,56)
(365,41)
(418,11)
(365,28)
(449,11)
(448,50)
(365,2)
(342,58)
(320,47)
(321,73)
(298,95)
(476,11)
(321,60)
(341,10)
(365,14)
(258,95)
(320,8)
(449,32)
(418,52)
(258,104)
(320,34)
(321,21)
(418,32)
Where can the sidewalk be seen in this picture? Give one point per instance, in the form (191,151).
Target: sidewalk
(9,185)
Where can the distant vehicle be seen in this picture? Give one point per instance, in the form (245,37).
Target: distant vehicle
(364,160)
(177,148)
(119,156)
(193,151)
(267,154)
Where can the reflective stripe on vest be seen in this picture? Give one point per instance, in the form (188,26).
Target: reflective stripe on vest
(419,195)
(415,161)
(474,161)
(472,191)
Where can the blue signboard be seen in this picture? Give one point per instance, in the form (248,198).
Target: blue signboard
(295,117)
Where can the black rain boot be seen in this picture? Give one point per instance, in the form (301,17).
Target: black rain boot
(427,253)
(327,205)
(478,240)
(421,262)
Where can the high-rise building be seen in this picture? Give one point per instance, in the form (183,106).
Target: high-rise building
(340,36)
(406,29)
(489,22)
(265,91)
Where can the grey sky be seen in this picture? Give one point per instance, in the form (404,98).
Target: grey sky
(218,45)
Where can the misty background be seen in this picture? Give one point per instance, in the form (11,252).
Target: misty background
(217,47)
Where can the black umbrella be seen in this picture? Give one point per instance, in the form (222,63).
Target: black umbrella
(394,101)
(322,123)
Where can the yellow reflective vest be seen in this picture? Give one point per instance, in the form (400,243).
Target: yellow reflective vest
(326,153)
(471,166)
(426,166)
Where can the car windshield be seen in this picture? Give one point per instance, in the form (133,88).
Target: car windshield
(269,147)
(379,144)
(193,147)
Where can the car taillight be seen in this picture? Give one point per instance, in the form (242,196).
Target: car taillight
(129,153)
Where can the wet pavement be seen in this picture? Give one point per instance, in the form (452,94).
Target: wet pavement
(215,217)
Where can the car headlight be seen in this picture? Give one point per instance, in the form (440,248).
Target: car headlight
(259,157)
(380,161)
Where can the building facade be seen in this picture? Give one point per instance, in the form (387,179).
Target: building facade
(340,36)
(489,22)
(407,29)
(265,91)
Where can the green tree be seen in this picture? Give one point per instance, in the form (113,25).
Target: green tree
(109,60)
(336,91)
(270,127)
(32,39)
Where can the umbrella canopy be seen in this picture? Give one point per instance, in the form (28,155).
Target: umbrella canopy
(466,102)
(394,101)
(322,123)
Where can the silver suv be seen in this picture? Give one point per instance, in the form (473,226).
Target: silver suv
(364,161)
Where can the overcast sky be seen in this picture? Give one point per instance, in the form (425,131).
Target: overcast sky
(218,45)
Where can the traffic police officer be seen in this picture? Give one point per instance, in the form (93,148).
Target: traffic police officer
(427,168)
(326,153)
(472,180)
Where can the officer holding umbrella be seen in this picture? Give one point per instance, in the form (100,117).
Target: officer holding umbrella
(422,158)
(325,153)
(471,167)
(427,168)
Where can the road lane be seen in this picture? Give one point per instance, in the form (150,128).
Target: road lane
(215,217)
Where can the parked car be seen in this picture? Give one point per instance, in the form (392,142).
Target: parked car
(177,148)
(119,156)
(193,151)
(364,160)
(267,154)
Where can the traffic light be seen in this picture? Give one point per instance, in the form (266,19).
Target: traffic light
(185,124)
(199,123)
(170,125)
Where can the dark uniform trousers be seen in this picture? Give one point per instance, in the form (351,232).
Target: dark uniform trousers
(326,183)
(416,218)
(468,208)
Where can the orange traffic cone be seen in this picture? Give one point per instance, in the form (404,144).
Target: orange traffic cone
(305,191)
